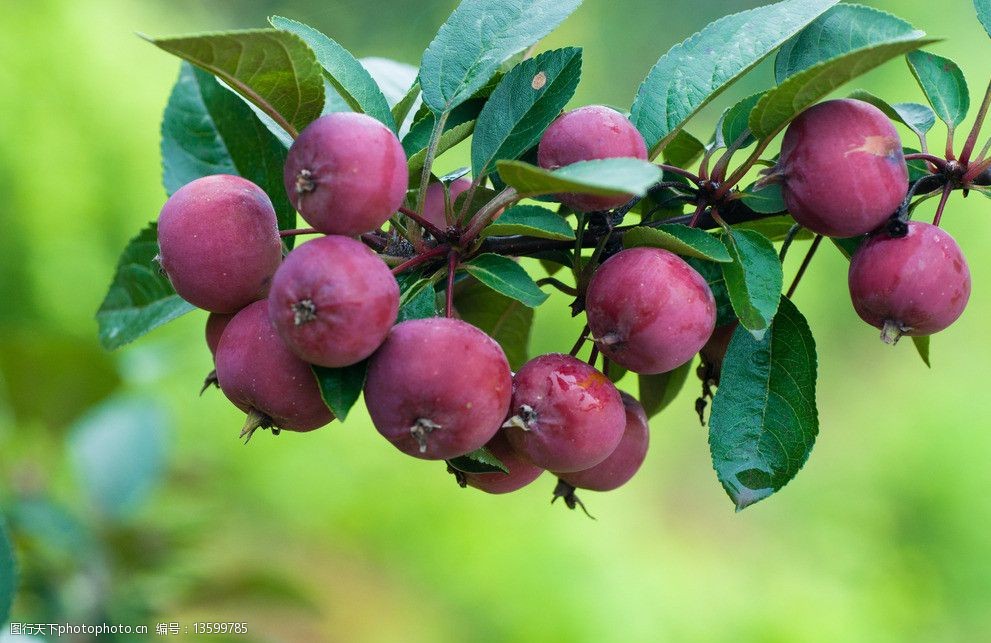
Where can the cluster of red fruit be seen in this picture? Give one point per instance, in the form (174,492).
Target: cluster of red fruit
(439,388)
(844,174)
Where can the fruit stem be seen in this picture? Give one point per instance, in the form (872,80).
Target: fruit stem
(982,163)
(452,266)
(742,170)
(297,231)
(560,285)
(789,238)
(968,147)
(942,204)
(931,158)
(421,258)
(804,266)
(488,214)
(429,227)
(469,197)
(582,338)
(699,209)
(719,171)
(680,172)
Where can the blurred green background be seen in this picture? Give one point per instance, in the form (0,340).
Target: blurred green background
(334,535)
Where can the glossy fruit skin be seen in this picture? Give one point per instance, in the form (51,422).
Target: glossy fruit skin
(438,388)
(585,134)
(648,310)
(219,242)
(333,301)
(521,471)
(844,173)
(573,413)
(623,463)
(257,372)
(919,283)
(215,325)
(346,173)
(433,201)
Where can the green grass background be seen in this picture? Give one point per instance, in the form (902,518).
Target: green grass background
(334,535)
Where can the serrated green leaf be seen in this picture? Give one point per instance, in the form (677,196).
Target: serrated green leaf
(682,150)
(764,420)
(521,107)
(417,298)
(736,121)
(697,70)
(402,108)
(658,391)
(842,29)
(507,277)
(469,48)
(983,8)
(943,84)
(605,177)
(916,117)
(775,228)
(208,130)
(340,387)
(504,319)
(679,239)
(459,126)
(140,298)
(532,221)
(8,573)
(713,274)
(753,279)
(275,70)
(793,96)
(351,80)
(478,461)
(118,453)
(767,200)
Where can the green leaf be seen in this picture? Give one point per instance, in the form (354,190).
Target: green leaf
(8,573)
(351,80)
(921,343)
(658,391)
(775,228)
(503,318)
(767,200)
(943,84)
(532,221)
(275,70)
(697,70)
(842,29)
(404,105)
(605,177)
(507,277)
(850,245)
(983,8)
(118,453)
(753,279)
(682,150)
(804,88)
(477,38)
(916,168)
(417,298)
(140,298)
(764,420)
(459,126)
(713,274)
(208,130)
(736,121)
(521,107)
(679,239)
(916,117)
(340,387)
(478,461)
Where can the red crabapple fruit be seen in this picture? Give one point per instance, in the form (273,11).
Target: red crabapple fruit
(215,325)
(617,469)
(521,471)
(265,379)
(433,201)
(346,173)
(842,166)
(567,416)
(219,242)
(648,310)
(333,301)
(438,388)
(918,284)
(585,134)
